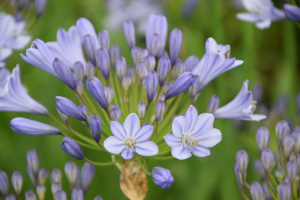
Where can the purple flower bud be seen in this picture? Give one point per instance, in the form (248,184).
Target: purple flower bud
(137,54)
(114,53)
(77,194)
(162,177)
(182,83)
(213,104)
(90,69)
(78,70)
(141,110)
(167,86)
(179,68)
(29,195)
(17,182)
(292,170)
(33,161)
(41,190)
(292,12)
(96,127)
(115,112)
(129,32)
(155,44)
(160,108)
(71,148)
(120,67)
(29,127)
(56,186)
(60,195)
(238,176)
(90,47)
(280,174)
(262,138)
(98,198)
(175,42)
(109,93)
(242,159)
(141,70)
(259,168)
(282,129)
(64,73)
(268,159)
(4,188)
(103,63)
(42,176)
(150,62)
(95,88)
(126,82)
(296,136)
(257,191)
(103,38)
(163,69)
(84,110)
(87,175)
(284,191)
(55,176)
(72,173)
(190,63)
(10,197)
(151,84)
(67,107)
(288,144)
(40,7)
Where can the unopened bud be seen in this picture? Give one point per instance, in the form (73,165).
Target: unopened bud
(282,129)
(242,160)
(141,110)
(268,159)
(262,138)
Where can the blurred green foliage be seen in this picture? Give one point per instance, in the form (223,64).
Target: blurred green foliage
(271,58)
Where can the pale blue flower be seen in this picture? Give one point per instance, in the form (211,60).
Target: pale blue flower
(262,13)
(241,107)
(130,137)
(193,134)
(14,97)
(215,61)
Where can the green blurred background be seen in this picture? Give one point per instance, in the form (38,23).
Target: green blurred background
(271,58)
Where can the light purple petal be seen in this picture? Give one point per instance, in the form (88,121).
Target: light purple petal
(144,133)
(118,130)
(171,140)
(127,153)
(256,117)
(201,151)
(180,152)
(179,126)
(264,24)
(147,148)
(204,121)
(191,116)
(114,145)
(248,17)
(131,125)
(210,138)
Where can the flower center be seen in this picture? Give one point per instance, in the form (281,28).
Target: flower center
(130,143)
(251,108)
(189,143)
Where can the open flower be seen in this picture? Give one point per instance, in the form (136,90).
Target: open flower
(193,134)
(241,107)
(14,97)
(130,138)
(262,13)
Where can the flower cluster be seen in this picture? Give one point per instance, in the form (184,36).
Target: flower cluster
(288,162)
(79,181)
(129,111)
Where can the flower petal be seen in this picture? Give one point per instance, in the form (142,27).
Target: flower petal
(264,24)
(131,125)
(114,145)
(201,151)
(171,140)
(127,153)
(147,148)
(210,138)
(191,117)
(117,130)
(248,17)
(204,121)
(179,126)
(180,152)
(256,117)
(144,133)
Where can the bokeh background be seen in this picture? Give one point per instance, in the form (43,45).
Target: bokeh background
(271,58)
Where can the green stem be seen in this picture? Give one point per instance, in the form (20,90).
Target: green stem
(245,181)
(295,190)
(243,194)
(281,157)
(100,164)
(143,168)
(161,158)
(270,188)
(273,180)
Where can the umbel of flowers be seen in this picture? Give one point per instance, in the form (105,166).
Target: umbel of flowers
(79,181)
(285,167)
(135,109)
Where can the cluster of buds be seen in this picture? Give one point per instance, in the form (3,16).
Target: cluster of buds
(287,172)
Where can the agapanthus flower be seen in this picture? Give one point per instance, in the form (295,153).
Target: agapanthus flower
(241,107)
(193,135)
(262,13)
(130,137)
(292,12)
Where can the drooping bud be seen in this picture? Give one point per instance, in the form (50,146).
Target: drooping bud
(90,47)
(150,62)
(56,186)
(103,62)
(282,129)
(71,148)
(95,88)
(120,67)
(262,138)
(292,170)
(178,69)
(268,159)
(242,159)
(137,54)
(42,176)
(17,182)
(288,144)
(64,73)
(103,38)
(78,70)
(190,63)
(67,107)
(213,104)
(155,45)
(4,188)
(96,127)
(163,69)
(90,69)
(115,112)
(29,195)
(280,175)
(167,86)
(114,53)
(77,194)
(151,84)
(284,191)
(160,108)
(141,110)
(257,191)
(162,177)
(55,176)
(141,70)
(129,32)
(61,195)
(259,168)
(238,175)
(109,93)
(87,175)
(33,161)
(41,190)
(175,42)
